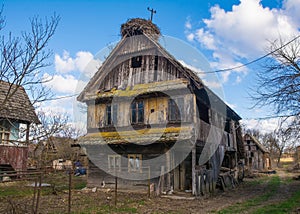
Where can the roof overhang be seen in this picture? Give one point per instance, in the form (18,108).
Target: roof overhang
(143,136)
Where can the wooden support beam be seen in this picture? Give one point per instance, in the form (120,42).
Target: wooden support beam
(194,170)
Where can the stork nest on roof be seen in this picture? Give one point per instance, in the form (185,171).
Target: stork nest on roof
(138,26)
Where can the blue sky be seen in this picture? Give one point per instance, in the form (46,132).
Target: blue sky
(228,33)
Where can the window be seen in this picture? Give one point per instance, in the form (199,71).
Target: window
(155,67)
(137,112)
(4,132)
(114,163)
(227,126)
(175,108)
(136,62)
(134,163)
(111,114)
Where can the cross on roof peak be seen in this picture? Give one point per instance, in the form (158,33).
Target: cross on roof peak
(151,11)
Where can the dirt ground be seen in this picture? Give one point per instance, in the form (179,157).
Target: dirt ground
(251,188)
(248,197)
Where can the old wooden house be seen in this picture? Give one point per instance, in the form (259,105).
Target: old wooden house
(152,120)
(15,109)
(257,156)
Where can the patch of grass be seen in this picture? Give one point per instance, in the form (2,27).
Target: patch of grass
(79,183)
(286,206)
(273,185)
(20,189)
(109,209)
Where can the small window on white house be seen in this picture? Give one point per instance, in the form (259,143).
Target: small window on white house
(4,132)
(114,163)
(135,163)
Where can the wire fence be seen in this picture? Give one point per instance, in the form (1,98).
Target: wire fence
(60,191)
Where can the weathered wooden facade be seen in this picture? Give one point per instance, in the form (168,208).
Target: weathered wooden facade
(150,117)
(257,156)
(15,109)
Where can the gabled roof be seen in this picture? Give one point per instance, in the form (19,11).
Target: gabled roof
(260,146)
(114,58)
(15,104)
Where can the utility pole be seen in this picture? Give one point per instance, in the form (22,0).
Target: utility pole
(151,11)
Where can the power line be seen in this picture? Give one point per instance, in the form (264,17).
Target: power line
(269,117)
(62,97)
(217,71)
(253,61)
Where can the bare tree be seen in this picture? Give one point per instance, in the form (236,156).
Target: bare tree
(52,124)
(279,141)
(255,133)
(279,79)
(279,86)
(22,58)
(284,137)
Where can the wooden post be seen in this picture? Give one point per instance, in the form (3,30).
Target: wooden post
(27,133)
(116,189)
(70,192)
(38,195)
(34,195)
(194,170)
(168,165)
(149,182)
(233,131)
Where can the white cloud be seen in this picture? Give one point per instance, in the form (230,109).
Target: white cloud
(264,126)
(238,80)
(65,63)
(66,84)
(244,32)
(190,37)
(188,24)
(292,8)
(212,84)
(83,62)
(206,38)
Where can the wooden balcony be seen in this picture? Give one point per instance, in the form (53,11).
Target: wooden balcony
(207,133)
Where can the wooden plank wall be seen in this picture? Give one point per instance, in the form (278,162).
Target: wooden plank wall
(155,111)
(151,70)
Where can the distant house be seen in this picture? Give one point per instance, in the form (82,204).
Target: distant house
(151,117)
(15,109)
(257,157)
(57,152)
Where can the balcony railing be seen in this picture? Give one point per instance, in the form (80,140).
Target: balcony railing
(208,132)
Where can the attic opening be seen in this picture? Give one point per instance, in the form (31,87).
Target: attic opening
(136,62)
